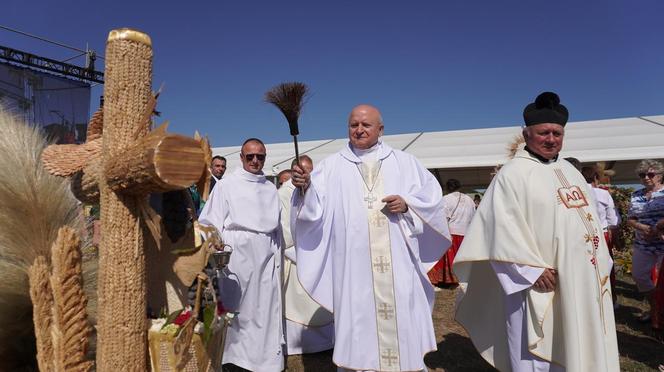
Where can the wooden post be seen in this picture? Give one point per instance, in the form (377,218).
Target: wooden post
(122,322)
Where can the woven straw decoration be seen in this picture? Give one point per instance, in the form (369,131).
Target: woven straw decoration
(42,304)
(122,324)
(65,160)
(70,328)
(84,184)
(95,126)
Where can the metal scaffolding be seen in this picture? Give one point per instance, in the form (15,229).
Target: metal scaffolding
(87,73)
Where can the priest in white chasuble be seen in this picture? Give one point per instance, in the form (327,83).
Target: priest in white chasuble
(369,226)
(244,207)
(533,267)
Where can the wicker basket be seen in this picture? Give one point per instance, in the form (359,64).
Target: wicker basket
(187,351)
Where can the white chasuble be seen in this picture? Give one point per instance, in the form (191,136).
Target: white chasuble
(539,215)
(367,265)
(244,207)
(309,328)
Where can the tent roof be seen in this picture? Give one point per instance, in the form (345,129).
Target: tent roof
(478,150)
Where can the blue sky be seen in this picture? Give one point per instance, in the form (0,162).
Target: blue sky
(428,65)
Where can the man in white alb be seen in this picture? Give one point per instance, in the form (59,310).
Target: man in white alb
(370,224)
(244,207)
(533,269)
(309,327)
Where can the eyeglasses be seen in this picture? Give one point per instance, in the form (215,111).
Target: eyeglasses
(649,174)
(250,157)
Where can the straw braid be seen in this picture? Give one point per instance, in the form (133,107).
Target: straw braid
(42,304)
(70,327)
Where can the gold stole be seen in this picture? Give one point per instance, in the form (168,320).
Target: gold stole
(572,197)
(381,269)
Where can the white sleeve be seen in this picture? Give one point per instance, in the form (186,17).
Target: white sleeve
(411,223)
(215,210)
(307,207)
(516,277)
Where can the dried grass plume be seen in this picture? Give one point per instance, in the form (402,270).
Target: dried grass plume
(33,206)
(512,148)
(515,146)
(289,99)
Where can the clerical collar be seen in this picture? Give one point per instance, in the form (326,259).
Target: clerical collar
(540,157)
(215,178)
(367,155)
(383,151)
(240,172)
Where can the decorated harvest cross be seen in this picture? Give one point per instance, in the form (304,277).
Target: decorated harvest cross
(120,164)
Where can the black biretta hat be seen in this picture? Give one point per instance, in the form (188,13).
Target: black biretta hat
(545,109)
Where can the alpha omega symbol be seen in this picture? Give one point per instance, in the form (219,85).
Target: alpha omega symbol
(572,197)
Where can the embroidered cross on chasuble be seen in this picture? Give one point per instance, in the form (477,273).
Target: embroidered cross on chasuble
(381,268)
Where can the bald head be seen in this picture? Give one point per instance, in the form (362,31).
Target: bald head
(253,155)
(305,162)
(368,110)
(283,176)
(365,126)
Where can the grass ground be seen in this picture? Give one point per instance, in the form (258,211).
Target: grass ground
(639,351)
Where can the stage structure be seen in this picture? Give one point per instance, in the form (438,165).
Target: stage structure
(47,93)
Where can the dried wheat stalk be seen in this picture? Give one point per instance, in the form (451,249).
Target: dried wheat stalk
(42,304)
(70,327)
(515,145)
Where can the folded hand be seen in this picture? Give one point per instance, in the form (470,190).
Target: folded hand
(547,281)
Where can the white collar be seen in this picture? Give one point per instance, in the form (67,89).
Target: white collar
(251,177)
(380,151)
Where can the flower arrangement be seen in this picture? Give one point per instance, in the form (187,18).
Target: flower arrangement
(621,197)
(190,339)
(624,236)
(174,322)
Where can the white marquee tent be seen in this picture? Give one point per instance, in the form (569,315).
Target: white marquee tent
(471,155)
